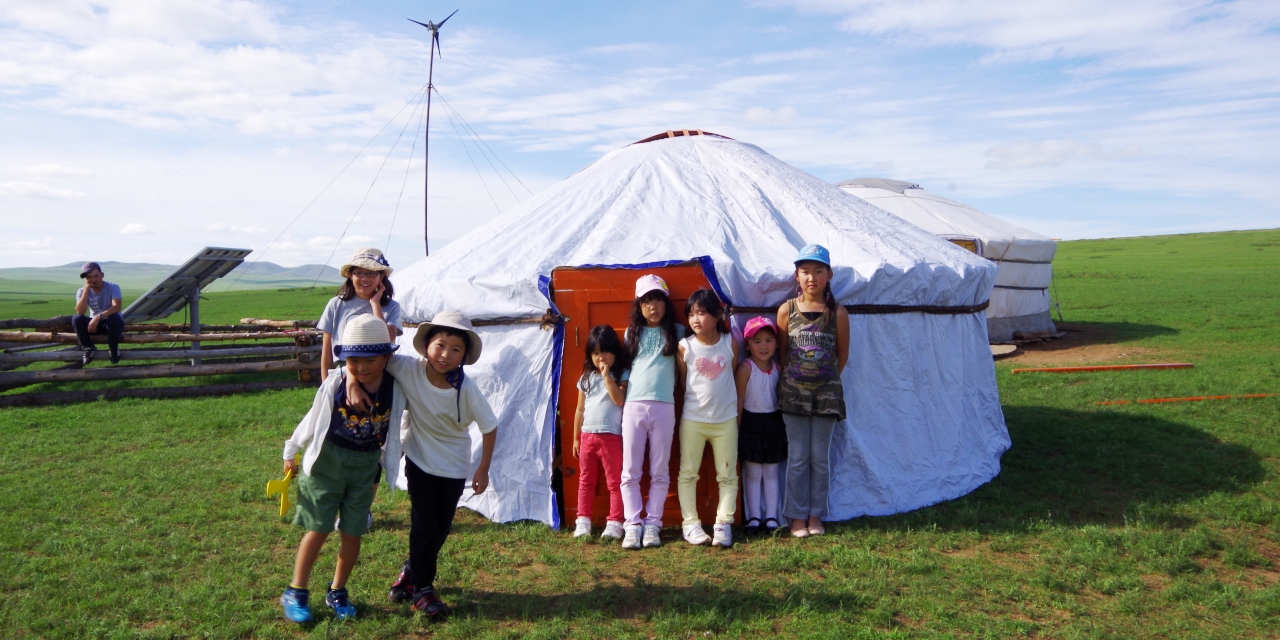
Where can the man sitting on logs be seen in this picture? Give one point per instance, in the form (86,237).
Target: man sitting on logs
(103,299)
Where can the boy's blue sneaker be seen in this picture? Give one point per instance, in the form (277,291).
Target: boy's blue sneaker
(342,607)
(295,606)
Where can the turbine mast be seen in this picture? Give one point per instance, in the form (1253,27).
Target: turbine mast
(432,48)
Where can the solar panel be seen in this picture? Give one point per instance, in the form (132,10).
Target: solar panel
(183,286)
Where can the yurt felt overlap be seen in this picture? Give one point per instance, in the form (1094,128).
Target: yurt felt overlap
(1020,299)
(924,416)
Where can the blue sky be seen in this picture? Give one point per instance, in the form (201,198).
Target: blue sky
(142,130)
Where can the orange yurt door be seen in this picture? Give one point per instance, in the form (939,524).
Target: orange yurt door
(591,296)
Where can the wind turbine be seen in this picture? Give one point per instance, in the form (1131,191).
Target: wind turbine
(433,48)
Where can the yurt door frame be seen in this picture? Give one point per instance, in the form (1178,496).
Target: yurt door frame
(590,296)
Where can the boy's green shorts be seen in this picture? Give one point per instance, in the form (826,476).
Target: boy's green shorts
(340,484)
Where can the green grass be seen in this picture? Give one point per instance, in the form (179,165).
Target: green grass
(147,519)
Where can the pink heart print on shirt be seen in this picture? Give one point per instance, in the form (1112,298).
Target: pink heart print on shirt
(711,368)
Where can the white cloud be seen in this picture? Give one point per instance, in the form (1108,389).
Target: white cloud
(1025,154)
(50,169)
(227,228)
(135,229)
(37,190)
(761,115)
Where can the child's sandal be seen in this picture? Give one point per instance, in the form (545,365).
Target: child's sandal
(769,529)
(753,527)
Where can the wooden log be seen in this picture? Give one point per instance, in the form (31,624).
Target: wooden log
(160,354)
(36,323)
(18,378)
(91,395)
(9,348)
(295,324)
(147,338)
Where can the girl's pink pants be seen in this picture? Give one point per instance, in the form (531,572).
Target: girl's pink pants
(654,423)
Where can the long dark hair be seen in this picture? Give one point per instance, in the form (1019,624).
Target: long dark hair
(828,298)
(638,323)
(708,301)
(603,338)
(348,291)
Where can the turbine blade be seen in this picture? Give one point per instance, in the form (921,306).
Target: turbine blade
(416,22)
(446,19)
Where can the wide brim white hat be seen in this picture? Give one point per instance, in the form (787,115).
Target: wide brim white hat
(364,335)
(368,258)
(453,320)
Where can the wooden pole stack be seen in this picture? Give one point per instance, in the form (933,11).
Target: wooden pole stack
(253,346)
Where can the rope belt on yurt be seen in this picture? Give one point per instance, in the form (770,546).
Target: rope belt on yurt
(877,309)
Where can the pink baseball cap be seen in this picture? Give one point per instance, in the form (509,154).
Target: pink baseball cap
(757,323)
(650,282)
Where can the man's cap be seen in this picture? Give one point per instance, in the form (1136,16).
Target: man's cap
(90,266)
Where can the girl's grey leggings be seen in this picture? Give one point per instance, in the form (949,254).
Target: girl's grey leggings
(808,465)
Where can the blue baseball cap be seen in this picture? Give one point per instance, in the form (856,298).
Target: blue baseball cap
(815,253)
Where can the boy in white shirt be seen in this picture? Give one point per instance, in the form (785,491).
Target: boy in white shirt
(442,403)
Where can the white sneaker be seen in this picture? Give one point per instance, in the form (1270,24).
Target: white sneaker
(723,535)
(651,538)
(693,534)
(631,538)
(612,530)
(583,528)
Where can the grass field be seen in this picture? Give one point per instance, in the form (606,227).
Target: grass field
(146,518)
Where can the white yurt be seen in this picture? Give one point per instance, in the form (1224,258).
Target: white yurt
(1020,301)
(925,423)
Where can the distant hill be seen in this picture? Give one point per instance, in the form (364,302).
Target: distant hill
(138,277)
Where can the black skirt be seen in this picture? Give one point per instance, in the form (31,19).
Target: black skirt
(762,438)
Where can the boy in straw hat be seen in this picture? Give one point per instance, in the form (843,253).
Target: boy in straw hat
(342,445)
(365,290)
(442,403)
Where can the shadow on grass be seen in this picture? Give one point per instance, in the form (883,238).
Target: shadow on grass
(1086,333)
(1092,467)
(701,608)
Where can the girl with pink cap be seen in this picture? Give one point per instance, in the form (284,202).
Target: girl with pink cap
(762,435)
(649,414)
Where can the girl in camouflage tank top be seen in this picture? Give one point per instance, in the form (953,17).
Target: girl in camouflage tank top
(814,348)
(810,382)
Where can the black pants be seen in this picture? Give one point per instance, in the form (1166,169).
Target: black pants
(434,501)
(112,326)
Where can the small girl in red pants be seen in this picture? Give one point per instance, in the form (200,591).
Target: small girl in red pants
(597,428)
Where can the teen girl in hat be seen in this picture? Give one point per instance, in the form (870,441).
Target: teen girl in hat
(366,290)
(442,403)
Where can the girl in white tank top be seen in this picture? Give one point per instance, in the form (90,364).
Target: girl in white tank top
(706,362)
(762,435)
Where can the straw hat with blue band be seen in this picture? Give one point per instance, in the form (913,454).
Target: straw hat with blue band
(364,335)
(814,253)
(369,259)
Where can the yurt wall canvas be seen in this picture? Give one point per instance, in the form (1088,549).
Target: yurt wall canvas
(1020,301)
(924,424)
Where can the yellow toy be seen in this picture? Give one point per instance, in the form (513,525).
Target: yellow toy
(282,487)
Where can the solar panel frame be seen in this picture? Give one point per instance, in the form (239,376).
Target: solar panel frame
(174,292)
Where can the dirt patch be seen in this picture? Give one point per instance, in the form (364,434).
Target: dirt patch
(1082,344)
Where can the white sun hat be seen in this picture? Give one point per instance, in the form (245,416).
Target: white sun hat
(453,320)
(367,258)
(364,335)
